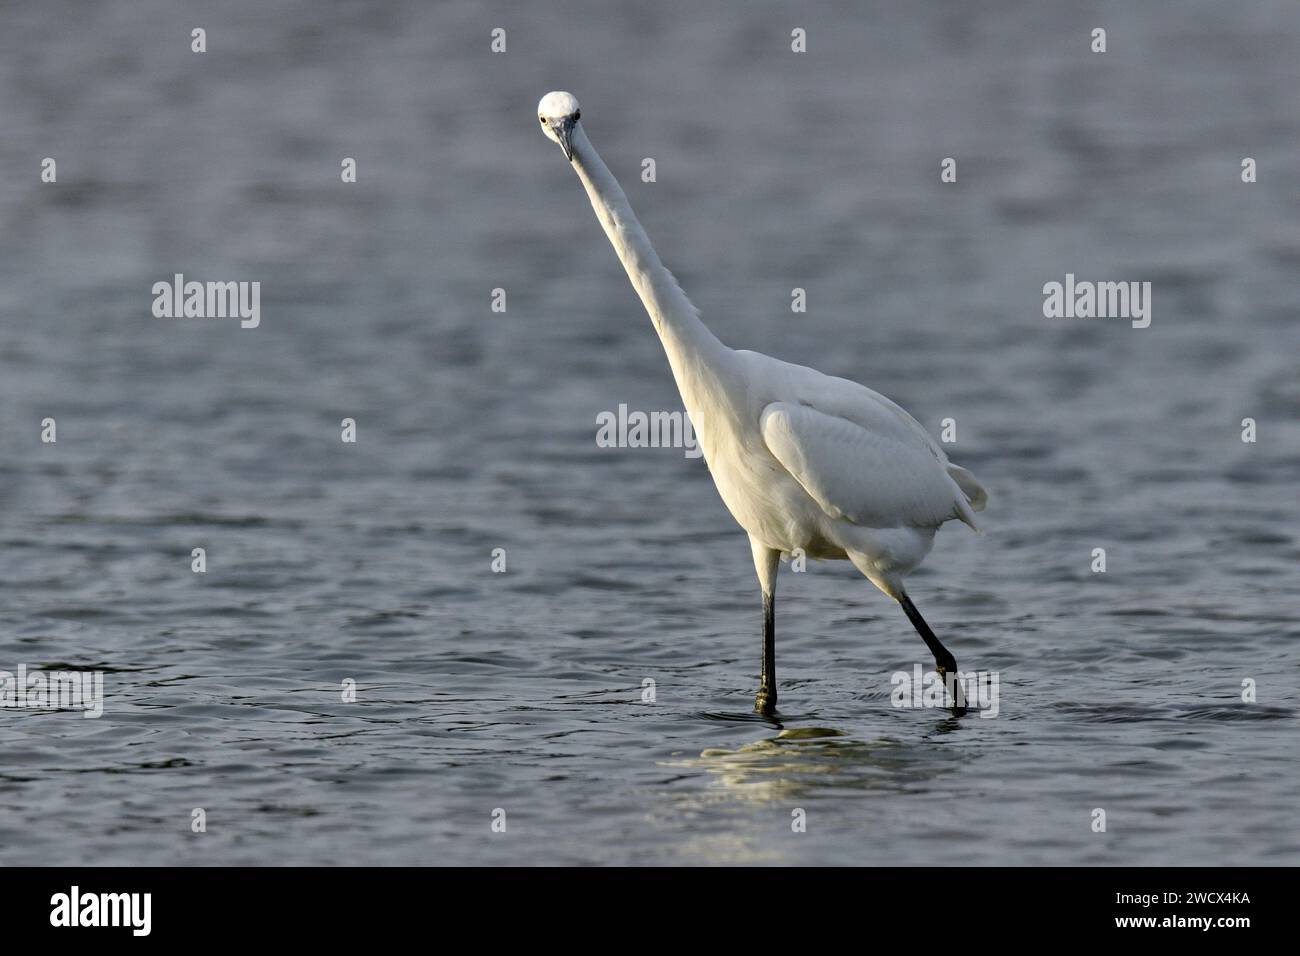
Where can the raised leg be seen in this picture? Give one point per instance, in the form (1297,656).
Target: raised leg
(944,662)
(766,563)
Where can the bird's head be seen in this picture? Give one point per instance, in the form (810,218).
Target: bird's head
(559,114)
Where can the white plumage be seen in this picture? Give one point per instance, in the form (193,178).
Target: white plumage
(802,460)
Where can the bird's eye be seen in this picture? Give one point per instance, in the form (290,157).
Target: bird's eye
(543,119)
(577,116)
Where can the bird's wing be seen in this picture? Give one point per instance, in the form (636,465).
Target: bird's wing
(876,477)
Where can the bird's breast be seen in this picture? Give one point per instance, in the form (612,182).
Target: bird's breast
(764,498)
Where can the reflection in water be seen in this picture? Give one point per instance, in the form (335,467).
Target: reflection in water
(792,768)
(799,762)
(795,764)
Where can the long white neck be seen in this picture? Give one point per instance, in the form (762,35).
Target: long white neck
(695,354)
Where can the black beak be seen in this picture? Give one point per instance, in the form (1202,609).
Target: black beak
(564,133)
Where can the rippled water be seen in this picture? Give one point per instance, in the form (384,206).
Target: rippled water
(523,690)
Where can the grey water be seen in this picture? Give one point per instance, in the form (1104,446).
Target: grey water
(327,562)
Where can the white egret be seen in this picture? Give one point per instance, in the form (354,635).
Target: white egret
(801,459)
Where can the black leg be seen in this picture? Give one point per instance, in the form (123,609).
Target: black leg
(765,702)
(944,662)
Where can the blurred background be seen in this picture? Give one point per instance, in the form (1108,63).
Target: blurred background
(523,691)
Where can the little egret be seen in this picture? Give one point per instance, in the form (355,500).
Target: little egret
(803,461)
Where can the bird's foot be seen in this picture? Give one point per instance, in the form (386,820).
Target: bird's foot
(765,702)
(956,693)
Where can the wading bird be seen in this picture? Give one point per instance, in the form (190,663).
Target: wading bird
(801,459)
